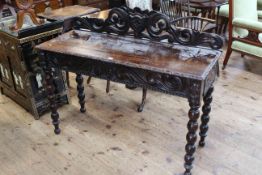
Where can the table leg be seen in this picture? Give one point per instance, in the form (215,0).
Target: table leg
(81,93)
(205,116)
(51,89)
(194,113)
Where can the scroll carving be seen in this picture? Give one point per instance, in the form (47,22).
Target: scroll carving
(149,25)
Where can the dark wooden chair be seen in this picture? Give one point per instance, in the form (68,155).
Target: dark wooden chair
(175,8)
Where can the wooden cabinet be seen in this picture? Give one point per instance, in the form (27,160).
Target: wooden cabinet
(21,76)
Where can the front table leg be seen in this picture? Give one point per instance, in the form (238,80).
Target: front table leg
(81,93)
(194,113)
(205,116)
(51,97)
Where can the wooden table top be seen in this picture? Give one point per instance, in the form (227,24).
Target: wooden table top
(173,59)
(68,12)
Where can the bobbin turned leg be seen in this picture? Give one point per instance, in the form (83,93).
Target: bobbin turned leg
(205,116)
(51,89)
(80,90)
(194,113)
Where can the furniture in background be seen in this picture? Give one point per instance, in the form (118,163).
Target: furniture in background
(25,8)
(42,5)
(116,3)
(259,7)
(223,18)
(208,9)
(194,23)
(244,29)
(175,8)
(21,78)
(143,5)
(188,72)
(101,4)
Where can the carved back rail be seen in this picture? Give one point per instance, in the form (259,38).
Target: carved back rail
(146,24)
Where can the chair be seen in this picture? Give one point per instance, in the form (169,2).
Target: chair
(244,29)
(195,23)
(223,17)
(175,8)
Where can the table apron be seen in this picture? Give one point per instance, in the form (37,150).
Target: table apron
(157,81)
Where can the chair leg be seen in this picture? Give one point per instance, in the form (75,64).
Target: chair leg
(89,80)
(107,86)
(141,106)
(67,79)
(229,51)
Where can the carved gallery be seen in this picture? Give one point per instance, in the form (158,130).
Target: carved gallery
(130,87)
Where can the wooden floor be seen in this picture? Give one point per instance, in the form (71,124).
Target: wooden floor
(113,139)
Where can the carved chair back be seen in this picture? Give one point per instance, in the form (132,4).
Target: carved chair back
(175,8)
(146,24)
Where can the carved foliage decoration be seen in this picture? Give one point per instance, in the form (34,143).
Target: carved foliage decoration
(147,24)
(133,76)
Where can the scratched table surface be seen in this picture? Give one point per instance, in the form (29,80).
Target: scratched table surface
(173,59)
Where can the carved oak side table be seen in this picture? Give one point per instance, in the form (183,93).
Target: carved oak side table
(139,59)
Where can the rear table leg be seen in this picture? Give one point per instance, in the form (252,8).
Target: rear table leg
(81,93)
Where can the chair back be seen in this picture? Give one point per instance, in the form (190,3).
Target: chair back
(175,8)
(195,23)
(241,9)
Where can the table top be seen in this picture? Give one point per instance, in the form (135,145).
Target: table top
(207,3)
(175,59)
(68,12)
